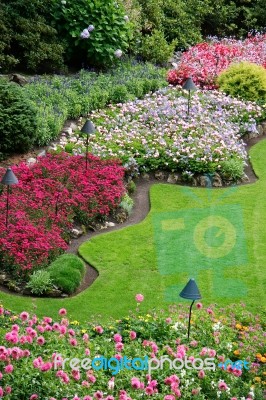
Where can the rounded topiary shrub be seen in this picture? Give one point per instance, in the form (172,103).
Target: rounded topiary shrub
(67,272)
(18,126)
(245,80)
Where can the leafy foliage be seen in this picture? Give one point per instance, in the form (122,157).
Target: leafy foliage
(29,46)
(17,119)
(39,282)
(245,80)
(94,30)
(156,49)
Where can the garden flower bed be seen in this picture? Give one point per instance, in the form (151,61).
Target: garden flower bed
(156,132)
(50,197)
(36,353)
(204,61)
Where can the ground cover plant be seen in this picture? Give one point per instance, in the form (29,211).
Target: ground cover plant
(51,195)
(205,61)
(130,263)
(157,133)
(41,345)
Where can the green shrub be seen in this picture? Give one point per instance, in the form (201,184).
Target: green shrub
(40,282)
(156,49)
(119,94)
(136,87)
(127,203)
(32,46)
(245,80)
(108,31)
(18,126)
(232,169)
(67,272)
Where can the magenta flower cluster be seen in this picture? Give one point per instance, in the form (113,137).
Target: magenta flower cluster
(49,196)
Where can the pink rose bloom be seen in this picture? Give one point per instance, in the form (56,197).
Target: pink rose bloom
(204,351)
(222,385)
(111,383)
(87,352)
(87,398)
(62,311)
(15,328)
(193,343)
(46,366)
(1,392)
(135,383)
(76,397)
(8,389)
(9,369)
(34,397)
(63,329)
(85,337)
(98,395)
(2,310)
(117,338)
(73,342)
(98,329)
(132,335)
(149,390)
(195,392)
(119,346)
(118,356)
(199,305)
(47,320)
(169,397)
(201,374)
(212,353)
(40,340)
(85,384)
(209,311)
(24,316)
(139,298)
(168,320)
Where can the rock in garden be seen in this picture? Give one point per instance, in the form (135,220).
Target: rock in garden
(217,181)
(204,181)
(173,178)
(31,161)
(76,232)
(73,126)
(109,224)
(160,175)
(2,278)
(17,78)
(42,153)
(145,176)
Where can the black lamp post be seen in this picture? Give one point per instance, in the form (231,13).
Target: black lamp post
(8,179)
(190,292)
(88,128)
(189,85)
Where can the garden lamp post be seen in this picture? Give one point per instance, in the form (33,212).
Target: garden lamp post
(189,85)
(190,292)
(8,179)
(88,128)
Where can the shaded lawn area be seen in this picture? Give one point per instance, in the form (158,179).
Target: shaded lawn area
(217,236)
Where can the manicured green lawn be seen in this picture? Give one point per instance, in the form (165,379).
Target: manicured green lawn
(217,236)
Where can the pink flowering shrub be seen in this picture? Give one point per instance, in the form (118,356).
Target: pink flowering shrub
(35,355)
(50,195)
(204,61)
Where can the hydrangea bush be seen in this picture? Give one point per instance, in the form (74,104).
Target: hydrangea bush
(204,61)
(35,355)
(156,132)
(50,196)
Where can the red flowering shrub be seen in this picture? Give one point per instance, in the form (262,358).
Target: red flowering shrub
(204,61)
(49,196)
